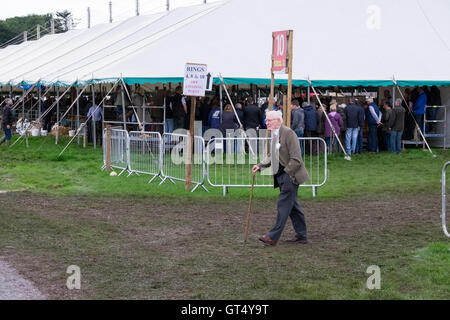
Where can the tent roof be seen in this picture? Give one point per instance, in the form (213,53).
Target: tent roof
(349,42)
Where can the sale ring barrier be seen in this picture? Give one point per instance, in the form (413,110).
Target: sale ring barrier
(230,161)
(120,156)
(222,162)
(444,203)
(174,157)
(145,153)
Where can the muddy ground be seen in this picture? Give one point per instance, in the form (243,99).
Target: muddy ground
(169,248)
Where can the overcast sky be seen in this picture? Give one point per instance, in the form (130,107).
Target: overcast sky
(122,9)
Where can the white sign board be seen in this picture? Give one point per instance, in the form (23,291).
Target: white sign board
(195,76)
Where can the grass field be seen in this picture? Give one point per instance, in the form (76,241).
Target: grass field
(137,240)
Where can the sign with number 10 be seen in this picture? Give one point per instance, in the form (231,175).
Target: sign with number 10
(279,46)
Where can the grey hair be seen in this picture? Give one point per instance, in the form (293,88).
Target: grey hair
(238,106)
(399,101)
(304,104)
(276,114)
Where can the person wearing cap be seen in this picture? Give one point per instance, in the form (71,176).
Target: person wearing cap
(7,121)
(289,172)
(373,116)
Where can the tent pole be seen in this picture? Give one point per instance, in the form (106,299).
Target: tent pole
(123,108)
(309,95)
(78,112)
(221,103)
(57,115)
(87,121)
(23,104)
(39,106)
(347,156)
(93,133)
(420,130)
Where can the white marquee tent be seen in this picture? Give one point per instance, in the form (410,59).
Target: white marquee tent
(349,42)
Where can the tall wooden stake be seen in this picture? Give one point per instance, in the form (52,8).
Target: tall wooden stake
(108,149)
(289,90)
(190,146)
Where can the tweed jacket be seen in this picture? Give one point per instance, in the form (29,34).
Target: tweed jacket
(287,149)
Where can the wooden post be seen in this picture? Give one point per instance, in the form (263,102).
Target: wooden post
(190,146)
(289,92)
(286,110)
(84,134)
(272,80)
(108,149)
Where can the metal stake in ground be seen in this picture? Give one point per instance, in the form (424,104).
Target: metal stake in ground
(247,224)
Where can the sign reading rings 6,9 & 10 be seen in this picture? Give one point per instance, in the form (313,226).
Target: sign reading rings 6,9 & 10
(195,78)
(280,47)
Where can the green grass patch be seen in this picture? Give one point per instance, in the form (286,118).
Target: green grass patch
(39,169)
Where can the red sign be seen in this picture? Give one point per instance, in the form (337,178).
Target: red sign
(280,46)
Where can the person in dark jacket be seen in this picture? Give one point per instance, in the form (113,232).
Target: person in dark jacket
(179,108)
(397,127)
(205,109)
(311,121)
(373,116)
(229,121)
(355,122)
(7,121)
(252,115)
(214,117)
(388,120)
(240,112)
(48,117)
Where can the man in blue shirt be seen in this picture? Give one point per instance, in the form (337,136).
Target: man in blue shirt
(419,108)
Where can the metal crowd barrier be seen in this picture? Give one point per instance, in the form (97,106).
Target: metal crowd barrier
(120,156)
(444,203)
(174,159)
(225,162)
(230,161)
(145,153)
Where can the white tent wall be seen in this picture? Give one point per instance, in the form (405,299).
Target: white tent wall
(337,42)
(46,58)
(154,29)
(333,40)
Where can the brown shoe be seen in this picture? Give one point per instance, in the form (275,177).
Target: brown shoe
(297,240)
(267,240)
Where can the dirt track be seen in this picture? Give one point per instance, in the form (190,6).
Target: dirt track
(184,229)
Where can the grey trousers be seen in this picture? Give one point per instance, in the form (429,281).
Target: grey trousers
(288,206)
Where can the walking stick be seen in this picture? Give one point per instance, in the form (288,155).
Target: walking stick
(249,209)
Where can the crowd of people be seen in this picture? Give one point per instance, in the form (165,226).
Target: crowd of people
(384,124)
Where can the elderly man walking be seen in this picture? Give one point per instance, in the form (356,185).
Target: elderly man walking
(289,172)
(7,121)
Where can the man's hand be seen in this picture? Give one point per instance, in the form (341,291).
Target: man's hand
(255,169)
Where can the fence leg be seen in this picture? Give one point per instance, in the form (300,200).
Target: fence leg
(314,191)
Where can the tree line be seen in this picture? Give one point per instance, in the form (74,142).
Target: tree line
(12,28)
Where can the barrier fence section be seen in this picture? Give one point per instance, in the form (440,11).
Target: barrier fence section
(230,161)
(145,149)
(224,162)
(444,203)
(174,154)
